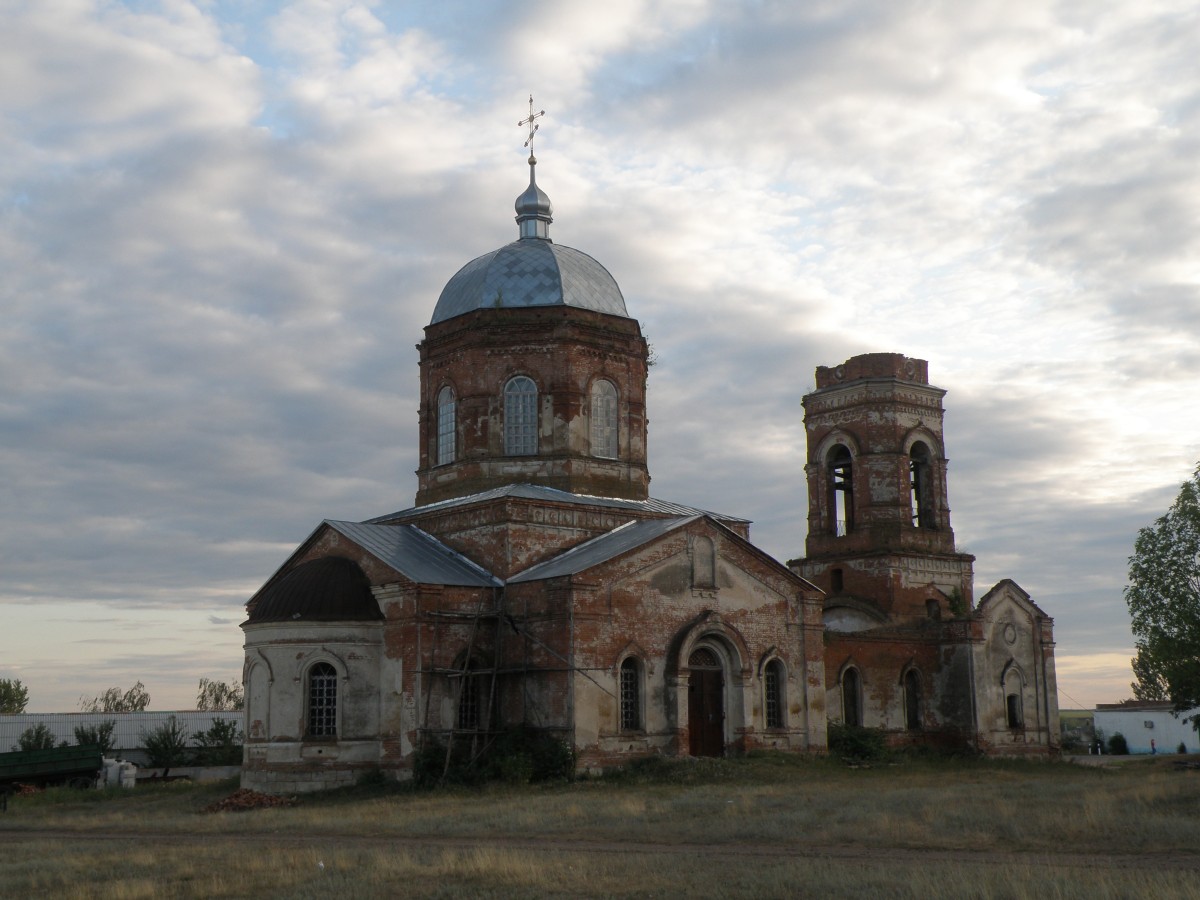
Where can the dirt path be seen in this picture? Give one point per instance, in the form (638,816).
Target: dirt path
(1167,860)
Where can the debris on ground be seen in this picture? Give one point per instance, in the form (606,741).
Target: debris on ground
(244,799)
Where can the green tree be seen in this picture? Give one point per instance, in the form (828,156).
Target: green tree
(14,696)
(221,745)
(1163,595)
(97,735)
(115,700)
(166,745)
(37,737)
(219,696)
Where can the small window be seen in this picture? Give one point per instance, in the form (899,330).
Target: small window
(446,426)
(604,420)
(836,583)
(631,695)
(322,701)
(840,466)
(851,697)
(520,417)
(773,698)
(912,701)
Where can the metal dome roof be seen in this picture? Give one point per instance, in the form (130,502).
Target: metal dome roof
(531,271)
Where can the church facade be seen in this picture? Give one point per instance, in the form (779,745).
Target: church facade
(536,583)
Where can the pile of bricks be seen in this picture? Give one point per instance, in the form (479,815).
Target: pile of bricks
(244,799)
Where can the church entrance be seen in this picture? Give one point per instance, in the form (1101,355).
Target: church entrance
(706,704)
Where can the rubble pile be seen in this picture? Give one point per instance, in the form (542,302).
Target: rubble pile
(244,799)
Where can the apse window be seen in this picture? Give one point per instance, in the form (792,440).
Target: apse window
(773,699)
(322,701)
(631,695)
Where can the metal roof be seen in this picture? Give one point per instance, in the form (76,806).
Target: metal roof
(530,272)
(418,556)
(128,728)
(553,495)
(601,549)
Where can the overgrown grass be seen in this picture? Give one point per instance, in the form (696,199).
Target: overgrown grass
(770,825)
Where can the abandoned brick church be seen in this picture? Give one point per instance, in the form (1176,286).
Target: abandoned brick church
(536,582)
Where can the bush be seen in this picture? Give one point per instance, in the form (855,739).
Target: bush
(1117,745)
(166,745)
(1182,748)
(36,737)
(853,743)
(96,735)
(520,755)
(221,745)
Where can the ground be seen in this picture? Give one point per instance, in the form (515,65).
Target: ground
(763,827)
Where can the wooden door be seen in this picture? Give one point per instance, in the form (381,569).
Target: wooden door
(706,712)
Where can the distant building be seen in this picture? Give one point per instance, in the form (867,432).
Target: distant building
(1143,721)
(128,728)
(536,582)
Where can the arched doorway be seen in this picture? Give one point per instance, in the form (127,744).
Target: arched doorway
(706,703)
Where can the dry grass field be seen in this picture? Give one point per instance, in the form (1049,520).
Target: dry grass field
(768,826)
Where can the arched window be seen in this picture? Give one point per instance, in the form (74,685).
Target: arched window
(520,417)
(921,486)
(446,426)
(912,700)
(322,701)
(774,702)
(631,695)
(604,420)
(704,560)
(840,466)
(851,697)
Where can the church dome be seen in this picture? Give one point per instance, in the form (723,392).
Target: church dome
(531,271)
(331,589)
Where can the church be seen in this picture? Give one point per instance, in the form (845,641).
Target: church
(536,583)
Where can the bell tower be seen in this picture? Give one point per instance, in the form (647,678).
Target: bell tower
(879,536)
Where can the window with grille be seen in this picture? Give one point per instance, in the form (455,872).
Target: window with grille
(469,699)
(604,420)
(631,695)
(773,693)
(520,417)
(322,701)
(446,426)
(703,658)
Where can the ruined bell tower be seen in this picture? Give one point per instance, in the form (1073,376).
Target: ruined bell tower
(879,537)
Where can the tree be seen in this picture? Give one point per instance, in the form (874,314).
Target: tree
(114,700)
(97,735)
(221,745)
(166,745)
(14,696)
(37,737)
(1163,595)
(219,696)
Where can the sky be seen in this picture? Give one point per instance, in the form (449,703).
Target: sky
(223,226)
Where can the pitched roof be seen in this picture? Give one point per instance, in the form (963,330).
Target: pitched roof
(553,495)
(415,554)
(601,549)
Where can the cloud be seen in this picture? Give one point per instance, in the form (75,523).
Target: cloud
(223,230)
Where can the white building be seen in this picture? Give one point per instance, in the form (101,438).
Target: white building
(1142,722)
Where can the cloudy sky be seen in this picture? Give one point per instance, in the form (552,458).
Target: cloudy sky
(223,226)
